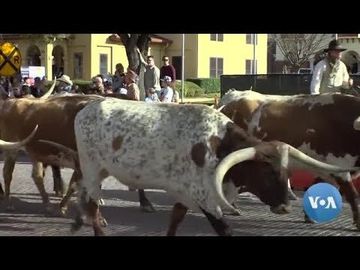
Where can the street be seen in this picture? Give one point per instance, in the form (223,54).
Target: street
(125,218)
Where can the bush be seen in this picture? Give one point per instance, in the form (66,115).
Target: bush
(190,89)
(210,85)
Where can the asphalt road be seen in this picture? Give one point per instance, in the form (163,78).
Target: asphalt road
(125,218)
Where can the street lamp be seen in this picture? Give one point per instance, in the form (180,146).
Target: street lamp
(182,68)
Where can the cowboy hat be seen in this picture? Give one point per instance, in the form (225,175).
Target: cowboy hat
(334,45)
(166,79)
(65,79)
(131,75)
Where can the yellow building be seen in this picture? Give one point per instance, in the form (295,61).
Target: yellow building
(210,55)
(82,56)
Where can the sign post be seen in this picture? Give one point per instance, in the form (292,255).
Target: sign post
(10,59)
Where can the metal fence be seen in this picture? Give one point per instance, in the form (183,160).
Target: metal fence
(276,84)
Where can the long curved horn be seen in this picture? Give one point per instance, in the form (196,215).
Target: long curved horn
(229,161)
(16,145)
(49,92)
(298,155)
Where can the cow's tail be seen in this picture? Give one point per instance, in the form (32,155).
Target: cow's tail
(222,168)
(70,153)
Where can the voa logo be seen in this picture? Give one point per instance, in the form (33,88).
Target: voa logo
(322,202)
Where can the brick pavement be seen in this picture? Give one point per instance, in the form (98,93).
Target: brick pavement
(125,218)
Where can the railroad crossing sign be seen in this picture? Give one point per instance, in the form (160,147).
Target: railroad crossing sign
(10,59)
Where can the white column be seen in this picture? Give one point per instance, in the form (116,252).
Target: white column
(254,71)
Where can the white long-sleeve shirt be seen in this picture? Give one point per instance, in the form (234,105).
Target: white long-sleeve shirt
(328,78)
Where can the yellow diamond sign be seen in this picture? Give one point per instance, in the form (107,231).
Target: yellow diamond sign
(10,59)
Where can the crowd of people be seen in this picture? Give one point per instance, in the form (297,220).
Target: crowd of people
(158,85)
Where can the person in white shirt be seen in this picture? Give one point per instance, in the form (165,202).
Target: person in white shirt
(330,74)
(167,93)
(152,96)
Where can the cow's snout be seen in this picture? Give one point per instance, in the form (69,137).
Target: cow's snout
(281,209)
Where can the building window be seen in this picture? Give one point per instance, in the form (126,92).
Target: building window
(103,63)
(78,65)
(251,39)
(217,37)
(216,67)
(250,68)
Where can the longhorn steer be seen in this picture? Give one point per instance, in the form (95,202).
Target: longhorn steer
(184,149)
(55,116)
(324,126)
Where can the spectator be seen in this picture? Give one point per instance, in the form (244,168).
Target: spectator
(118,79)
(36,88)
(152,75)
(98,85)
(26,91)
(133,91)
(167,93)
(108,84)
(152,96)
(168,70)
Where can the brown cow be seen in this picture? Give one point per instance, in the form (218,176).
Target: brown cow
(322,126)
(56,116)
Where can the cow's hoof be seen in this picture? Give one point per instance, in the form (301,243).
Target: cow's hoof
(357,224)
(292,196)
(59,194)
(79,222)
(101,202)
(63,211)
(147,208)
(237,212)
(308,220)
(103,222)
(75,227)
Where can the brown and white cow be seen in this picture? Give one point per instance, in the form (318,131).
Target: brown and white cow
(186,150)
(324,126)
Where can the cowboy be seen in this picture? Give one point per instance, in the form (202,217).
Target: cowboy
(330,74)
(64,84)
